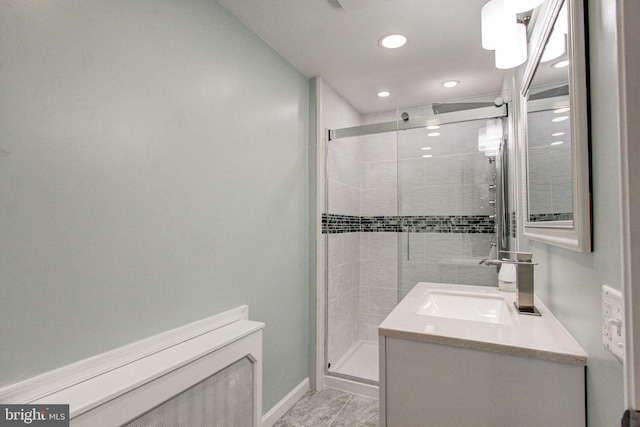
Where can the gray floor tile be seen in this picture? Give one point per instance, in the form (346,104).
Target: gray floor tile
(315,409)
(359,411)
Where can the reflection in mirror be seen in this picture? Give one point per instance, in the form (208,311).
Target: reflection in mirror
(549,160)
(555,177)
(549,133)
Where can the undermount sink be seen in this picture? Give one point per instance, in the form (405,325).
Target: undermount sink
(476,307)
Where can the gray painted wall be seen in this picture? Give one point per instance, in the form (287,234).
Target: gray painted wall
(570,282)
(153,172)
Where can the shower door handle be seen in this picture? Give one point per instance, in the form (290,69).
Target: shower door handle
(408,246)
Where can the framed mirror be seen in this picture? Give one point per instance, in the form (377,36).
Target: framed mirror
(556,178)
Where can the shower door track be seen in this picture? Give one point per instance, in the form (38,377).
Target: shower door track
(420,122)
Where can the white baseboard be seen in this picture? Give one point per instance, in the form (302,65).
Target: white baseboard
(280,408)
(354,387)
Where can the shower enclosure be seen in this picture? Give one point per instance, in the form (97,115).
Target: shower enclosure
(407,199)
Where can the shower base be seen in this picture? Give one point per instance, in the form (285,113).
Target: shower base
(361,361)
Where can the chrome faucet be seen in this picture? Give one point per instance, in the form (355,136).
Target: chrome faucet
(524,279)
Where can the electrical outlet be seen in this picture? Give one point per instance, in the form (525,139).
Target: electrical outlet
(613,321)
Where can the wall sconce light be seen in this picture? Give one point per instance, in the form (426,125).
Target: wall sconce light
(496,21)
(556,46)
(502,32)
(512,51)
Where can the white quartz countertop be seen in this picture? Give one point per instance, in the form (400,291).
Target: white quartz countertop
(541,337)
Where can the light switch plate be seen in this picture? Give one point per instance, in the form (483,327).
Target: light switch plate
(613,321)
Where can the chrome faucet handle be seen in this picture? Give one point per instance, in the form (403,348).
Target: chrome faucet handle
(524,278)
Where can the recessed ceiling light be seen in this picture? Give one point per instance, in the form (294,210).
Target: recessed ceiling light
(557,134)
(451,83)
(393,41)
(557,143)
(434,134)
(427,156)
(560,119)
(560,64)
(426,148)
(561,110)
(384,94)
(433,127)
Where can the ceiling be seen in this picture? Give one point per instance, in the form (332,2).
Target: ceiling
(338,40)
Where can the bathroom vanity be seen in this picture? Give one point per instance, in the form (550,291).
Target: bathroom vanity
(462,355)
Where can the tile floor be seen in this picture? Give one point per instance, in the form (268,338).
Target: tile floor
(332,408)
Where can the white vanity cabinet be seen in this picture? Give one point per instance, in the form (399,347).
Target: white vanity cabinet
(439,371)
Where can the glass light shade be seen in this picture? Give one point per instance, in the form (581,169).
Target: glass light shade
(496,23)
(562,21)
(519,6)
(554,48)
(512,51)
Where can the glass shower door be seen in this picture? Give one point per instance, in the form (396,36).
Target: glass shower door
(402,206)
(446,199)
(361,188)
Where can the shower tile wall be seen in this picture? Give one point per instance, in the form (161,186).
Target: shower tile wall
(378,172)
(378,169)
(445,258)
(385,175)
(344,293)
(378,280)
(343,268)
(454,181)
(550,189)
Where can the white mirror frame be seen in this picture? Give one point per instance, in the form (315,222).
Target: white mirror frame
(578,236)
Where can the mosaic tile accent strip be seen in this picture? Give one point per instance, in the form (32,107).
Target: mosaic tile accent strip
(551,217)
(332,224)
(513,225)
(414,224)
